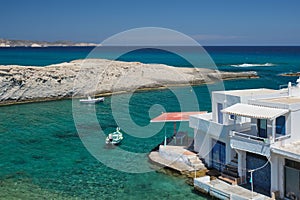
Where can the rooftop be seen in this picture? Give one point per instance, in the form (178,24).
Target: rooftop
(283,100)
(249,92)
(291,150)
(176,116)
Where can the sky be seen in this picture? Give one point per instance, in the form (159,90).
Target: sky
(210,22)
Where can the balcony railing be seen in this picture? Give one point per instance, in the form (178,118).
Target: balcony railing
(265,140)
(250,143)
(254,144)
(283,137)
(250,137)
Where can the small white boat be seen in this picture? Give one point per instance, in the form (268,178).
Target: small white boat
(115,137)
(92,100)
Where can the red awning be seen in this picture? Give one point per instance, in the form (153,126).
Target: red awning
(175,116)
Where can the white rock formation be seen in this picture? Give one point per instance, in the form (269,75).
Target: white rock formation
(97,76)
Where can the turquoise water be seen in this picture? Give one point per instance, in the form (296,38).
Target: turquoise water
(39,142)
(40,145)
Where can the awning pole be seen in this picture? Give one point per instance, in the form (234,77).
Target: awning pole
(174,128)
(251,181)
(234,122)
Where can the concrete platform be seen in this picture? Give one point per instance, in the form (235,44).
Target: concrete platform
(178,166)
(178,158)
(222,190)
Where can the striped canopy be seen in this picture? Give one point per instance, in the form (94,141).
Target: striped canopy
(253,111)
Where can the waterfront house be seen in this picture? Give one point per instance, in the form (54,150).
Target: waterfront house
(253,138)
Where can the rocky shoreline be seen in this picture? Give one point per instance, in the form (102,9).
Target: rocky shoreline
(20,84)
(291,74)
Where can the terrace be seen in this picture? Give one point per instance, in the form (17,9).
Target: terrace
(267,128)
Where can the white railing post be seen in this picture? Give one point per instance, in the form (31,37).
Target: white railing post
(273,131)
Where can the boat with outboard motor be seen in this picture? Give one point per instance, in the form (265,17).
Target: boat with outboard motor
(115,137)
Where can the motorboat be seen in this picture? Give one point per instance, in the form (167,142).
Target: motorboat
(92,100)
(114,138)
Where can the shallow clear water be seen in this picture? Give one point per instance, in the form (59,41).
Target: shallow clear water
(40,146)
(39,142)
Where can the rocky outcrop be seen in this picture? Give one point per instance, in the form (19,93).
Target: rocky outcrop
(291,74)
(97,76)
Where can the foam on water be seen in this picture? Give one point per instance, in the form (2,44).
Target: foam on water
(254,65)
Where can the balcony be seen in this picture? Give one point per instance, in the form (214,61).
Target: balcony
(246,141)
(250,143)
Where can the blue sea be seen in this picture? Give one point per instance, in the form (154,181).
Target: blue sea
(42,155)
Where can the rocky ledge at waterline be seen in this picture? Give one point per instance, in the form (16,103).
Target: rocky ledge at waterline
(97,76)
(291,74)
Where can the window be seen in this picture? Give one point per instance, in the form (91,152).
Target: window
(220,114)
(292,164)
(262,128)
(280,125)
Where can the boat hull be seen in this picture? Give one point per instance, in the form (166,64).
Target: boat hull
(114,138)
(92,101)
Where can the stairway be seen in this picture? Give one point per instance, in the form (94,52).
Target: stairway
(230,173)
(195,162)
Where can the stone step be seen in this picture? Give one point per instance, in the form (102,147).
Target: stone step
(231,173)
(192,157)
(198,166)
(228,180)
(195,161)
(231,168)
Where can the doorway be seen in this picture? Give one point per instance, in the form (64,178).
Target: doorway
(292,179)
(218,155)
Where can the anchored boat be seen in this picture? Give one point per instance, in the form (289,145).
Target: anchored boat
(115,137)
(92,100)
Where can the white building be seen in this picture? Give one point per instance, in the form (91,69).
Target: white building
(256,129)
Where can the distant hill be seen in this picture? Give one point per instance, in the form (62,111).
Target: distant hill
(29,43)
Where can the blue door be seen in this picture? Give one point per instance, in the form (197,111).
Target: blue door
(218,155)
(220,114)
(261,178)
